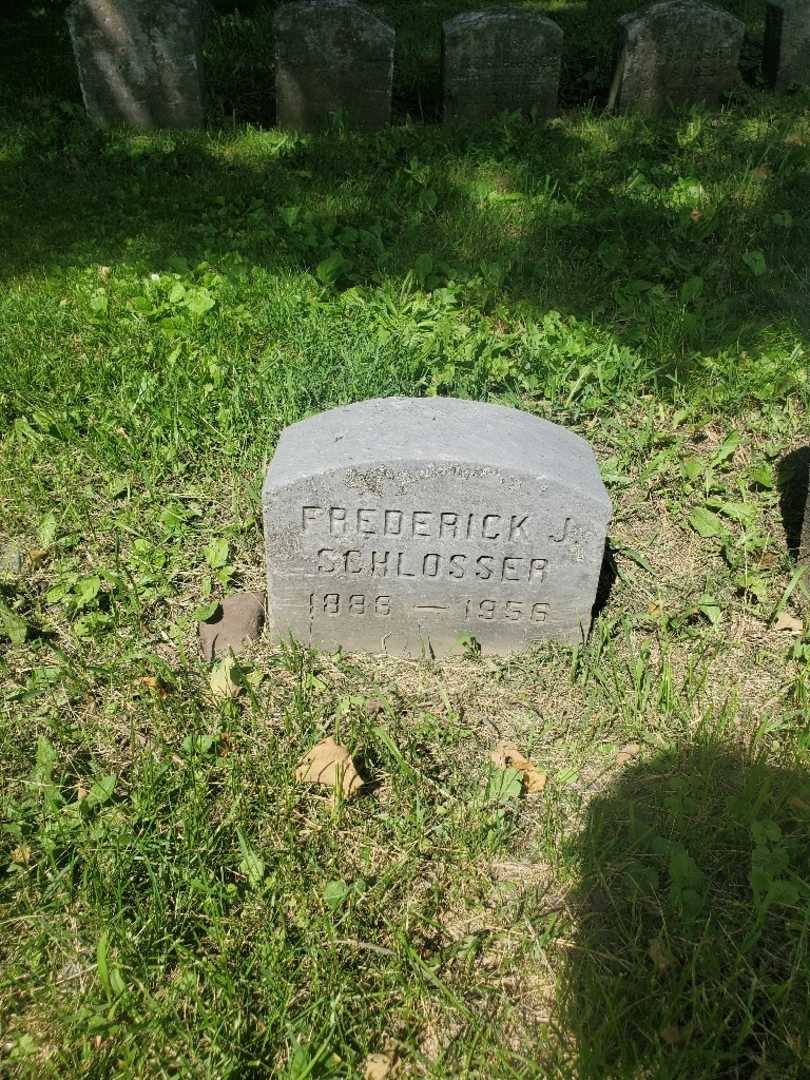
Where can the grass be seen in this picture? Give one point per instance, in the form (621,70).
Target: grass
(172,902)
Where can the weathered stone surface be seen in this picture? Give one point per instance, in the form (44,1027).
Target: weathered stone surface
(786,60)
(675,52)
(400,525)
(500,61)
(238,621)
(140,61)
(11,558)
(332,57)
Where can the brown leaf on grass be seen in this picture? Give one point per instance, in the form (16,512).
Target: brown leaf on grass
(505,756)
(378,1066)
(659,954)
(36,557)
(21,855)
(330,764)
(789,623)
(673,1034)
(630,750)
(153,684)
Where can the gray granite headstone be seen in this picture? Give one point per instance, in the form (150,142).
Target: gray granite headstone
(786,58)
(500,61)
(675,52)
(140,61)
(404,525)
(333,57)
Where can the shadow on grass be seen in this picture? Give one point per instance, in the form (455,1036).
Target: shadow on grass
(621,244)
(793,480)
(691,958)
(549,217)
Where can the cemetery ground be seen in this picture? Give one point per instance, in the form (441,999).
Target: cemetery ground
(172,901)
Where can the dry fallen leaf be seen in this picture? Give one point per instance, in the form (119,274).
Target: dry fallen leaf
(21,855)
(225,679)
(505,756)
(331,764)
(153,683)
(659,954)
(673,1034)
(378,1066)
(627,752)
(36,557)
(790,623)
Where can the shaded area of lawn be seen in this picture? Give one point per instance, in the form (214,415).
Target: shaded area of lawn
(692,956)
(679,241)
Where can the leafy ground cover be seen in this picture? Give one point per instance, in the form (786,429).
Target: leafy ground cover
(172,901)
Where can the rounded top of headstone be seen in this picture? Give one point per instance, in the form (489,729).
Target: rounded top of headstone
(290,15)
(492,17)
(672,10)
(437,431)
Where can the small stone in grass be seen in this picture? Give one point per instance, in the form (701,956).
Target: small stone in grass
(238,620)
(11,558)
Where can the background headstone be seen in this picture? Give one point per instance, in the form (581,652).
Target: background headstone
(787,43)
(332,57)
(678,51)
(500,61)
(402,525)
(140,61)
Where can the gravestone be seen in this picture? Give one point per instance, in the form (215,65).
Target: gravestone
(500,61)
(675,52)
(786,60)
(140,61)
(404,525)
(333,57)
